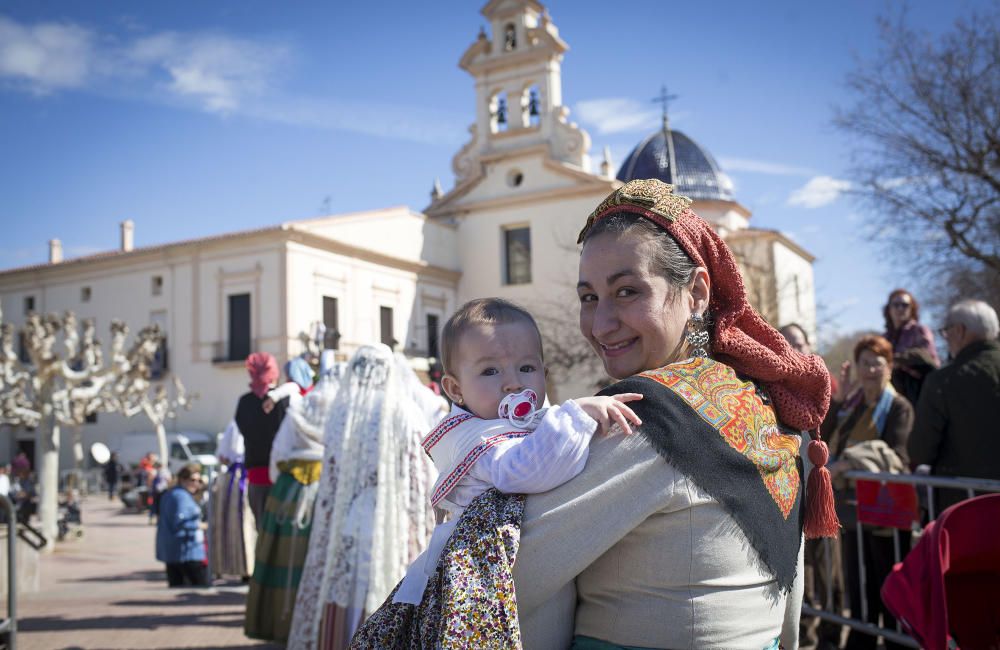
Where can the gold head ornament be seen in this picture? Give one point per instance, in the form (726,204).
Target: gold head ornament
(649,194)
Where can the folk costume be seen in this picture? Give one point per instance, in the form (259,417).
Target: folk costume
(700,516)
(473,455)
(373,513)
(296,460)
(232,531)
(258,428)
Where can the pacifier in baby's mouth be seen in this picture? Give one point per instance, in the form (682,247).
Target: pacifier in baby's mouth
(519,408)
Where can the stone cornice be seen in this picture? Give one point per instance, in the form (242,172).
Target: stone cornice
(601,188)
(272,237)
(770,235)
(720,204)
(333,246)
(162,254)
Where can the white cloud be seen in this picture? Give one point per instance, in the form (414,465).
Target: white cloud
(763,167)
(46,56)
(212,72)
(819,191)
(217,71)
(617,115)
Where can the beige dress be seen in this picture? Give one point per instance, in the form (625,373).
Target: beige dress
(632,552)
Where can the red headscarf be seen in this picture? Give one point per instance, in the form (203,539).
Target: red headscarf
(263,369)
(798,384)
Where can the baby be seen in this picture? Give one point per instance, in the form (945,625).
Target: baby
(492,356)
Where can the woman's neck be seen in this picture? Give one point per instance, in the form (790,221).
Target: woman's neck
(872,393)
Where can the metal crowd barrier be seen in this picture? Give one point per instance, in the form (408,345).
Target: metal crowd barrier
(8,626)
(928,482)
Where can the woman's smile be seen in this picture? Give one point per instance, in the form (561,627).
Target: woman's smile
(618,349)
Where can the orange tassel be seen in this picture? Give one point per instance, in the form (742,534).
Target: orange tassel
(821,515)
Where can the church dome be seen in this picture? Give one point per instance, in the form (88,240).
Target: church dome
(697,175)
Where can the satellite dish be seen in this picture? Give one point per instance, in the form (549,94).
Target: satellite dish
(100,452)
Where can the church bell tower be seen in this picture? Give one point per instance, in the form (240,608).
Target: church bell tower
(517,72)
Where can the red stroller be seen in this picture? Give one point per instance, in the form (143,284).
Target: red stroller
(946,592)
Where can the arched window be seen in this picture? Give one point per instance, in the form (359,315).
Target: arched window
(509,37)
(498,113)
(531,106)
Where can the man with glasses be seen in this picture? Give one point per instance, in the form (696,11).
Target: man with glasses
(959,407)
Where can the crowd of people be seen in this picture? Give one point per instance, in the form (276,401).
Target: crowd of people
(694,502)
(897,409)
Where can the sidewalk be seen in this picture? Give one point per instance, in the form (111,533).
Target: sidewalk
(105,590)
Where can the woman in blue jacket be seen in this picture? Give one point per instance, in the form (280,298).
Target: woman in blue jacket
(180,540)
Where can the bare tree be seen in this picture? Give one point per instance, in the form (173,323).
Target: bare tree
(53,390)
(926,159)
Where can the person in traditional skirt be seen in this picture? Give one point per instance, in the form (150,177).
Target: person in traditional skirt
(296,460)
(258,428)
(373,514)
(232,531)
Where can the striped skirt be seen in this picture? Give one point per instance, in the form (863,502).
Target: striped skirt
(280,555)
(231,531)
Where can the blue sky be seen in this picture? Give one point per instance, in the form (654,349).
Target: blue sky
(195,118)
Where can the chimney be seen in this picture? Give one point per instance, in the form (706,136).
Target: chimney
(55,251)
(128,235)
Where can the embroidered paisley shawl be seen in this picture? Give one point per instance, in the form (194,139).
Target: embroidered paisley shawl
(721,431)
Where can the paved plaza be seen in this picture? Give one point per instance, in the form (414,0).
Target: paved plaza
(106,590)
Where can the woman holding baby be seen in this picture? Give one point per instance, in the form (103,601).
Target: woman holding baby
(687,533)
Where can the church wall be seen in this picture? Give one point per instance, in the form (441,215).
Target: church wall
(397,232)
(551,295)
(796,294)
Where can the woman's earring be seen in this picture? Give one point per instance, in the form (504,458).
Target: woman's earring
(697,336)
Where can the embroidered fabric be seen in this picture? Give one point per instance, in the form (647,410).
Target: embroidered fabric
(470,600)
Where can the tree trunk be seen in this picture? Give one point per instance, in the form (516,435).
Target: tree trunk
(77,448)
(161,437)
(47,456)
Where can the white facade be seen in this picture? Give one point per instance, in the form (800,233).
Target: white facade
(525,167)
(286,270)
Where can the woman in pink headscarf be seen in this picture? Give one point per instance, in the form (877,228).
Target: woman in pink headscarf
(258,428)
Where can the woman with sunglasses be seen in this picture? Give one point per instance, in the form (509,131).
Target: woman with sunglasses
(913,347)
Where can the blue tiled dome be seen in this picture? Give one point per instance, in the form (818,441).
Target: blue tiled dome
(697,175)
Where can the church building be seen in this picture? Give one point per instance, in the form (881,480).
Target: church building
(523,185)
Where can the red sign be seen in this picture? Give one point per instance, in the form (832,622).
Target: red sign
(892,505)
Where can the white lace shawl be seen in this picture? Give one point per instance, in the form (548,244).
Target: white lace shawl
(373,513)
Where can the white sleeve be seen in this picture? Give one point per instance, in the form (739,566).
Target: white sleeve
(231,446)
(282,446)
(553,454)
(287,389)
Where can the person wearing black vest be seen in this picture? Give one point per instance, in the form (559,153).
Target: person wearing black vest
(258,428)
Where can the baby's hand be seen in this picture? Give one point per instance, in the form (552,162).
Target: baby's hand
(611,410)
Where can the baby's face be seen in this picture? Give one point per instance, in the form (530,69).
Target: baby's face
(494,361)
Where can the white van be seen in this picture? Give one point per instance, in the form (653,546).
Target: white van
(182,448)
